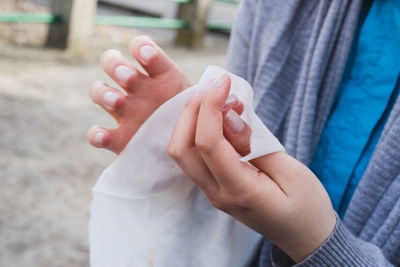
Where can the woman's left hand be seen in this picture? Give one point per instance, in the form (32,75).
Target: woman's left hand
(275,194)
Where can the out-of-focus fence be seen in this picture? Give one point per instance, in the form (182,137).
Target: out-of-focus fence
(71,21)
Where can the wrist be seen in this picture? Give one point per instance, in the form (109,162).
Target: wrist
(310,240)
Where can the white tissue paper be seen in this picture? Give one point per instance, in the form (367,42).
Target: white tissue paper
(145,212)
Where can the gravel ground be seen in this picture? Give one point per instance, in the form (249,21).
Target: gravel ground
(47,168)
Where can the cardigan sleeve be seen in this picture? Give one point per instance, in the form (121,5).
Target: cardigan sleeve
(342,248)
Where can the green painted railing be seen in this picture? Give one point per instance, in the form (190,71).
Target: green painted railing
(125,21)
(232,2)
(219,26)
(180,1)
(120,21)
(29,18)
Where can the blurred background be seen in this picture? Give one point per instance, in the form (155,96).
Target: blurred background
(49,51)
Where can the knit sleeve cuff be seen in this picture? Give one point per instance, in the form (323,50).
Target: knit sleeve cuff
(340,249)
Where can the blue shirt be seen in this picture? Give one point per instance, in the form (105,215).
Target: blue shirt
(364,100)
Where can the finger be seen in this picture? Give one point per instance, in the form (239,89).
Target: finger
(151,57)
(182,149)
(276,165)
(219,155)
(217,152)
(281,167)
(239,108)
(102,137)
(233,102)
(120,69)
(110,99)
(237,132)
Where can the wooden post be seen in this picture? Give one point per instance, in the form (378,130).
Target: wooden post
(195,14)
(74,31)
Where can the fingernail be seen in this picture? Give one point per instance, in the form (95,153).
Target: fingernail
(232,99)
(221,80)
(123,74)
(98,138)
(146,53)
(110,98)
(234,122)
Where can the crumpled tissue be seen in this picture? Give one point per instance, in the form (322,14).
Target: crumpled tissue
(146,212)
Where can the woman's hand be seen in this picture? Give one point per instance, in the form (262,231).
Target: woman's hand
(274,195)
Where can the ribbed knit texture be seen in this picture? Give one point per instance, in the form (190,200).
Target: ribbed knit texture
(294,52)
(341,249)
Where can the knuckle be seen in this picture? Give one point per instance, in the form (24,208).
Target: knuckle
(243,148)
(174,151)
(215,198)
(240,202)
(218,203)
(203,145)
(228,202)
(231,201)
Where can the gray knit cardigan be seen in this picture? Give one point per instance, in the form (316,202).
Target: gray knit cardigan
(294,52)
